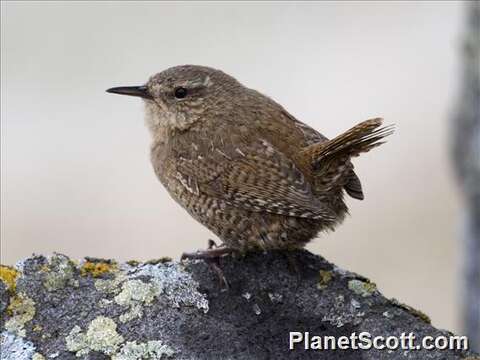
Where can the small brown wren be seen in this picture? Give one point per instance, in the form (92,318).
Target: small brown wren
(244,167)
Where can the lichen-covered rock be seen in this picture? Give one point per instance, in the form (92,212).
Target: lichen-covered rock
(8,277)
(4,300)
(13,347)
(101,336)
(98,309)
(21,310)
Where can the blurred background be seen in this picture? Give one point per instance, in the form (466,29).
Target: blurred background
(76,177)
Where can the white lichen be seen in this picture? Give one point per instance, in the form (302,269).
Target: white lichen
(152,350)
(388,314)
(111,286)
(101,336)
(134,295)
(13,347)
(362,288)
(342,313)
(247,295)
(104,303)
(355,304)
(174,284)
(20,265)
(169,281)
(275,297)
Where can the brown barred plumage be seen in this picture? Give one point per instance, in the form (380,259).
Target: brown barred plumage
(242,165)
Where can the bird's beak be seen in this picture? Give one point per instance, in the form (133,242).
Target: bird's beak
(140,91)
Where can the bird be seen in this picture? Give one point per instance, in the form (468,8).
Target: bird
(243,166)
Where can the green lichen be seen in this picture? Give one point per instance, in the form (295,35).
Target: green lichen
(101,336)
(133,262)
(136,290)
(9,276)
(152,350)
(22,310)
(363,288)
(38,356)
(111,286)
(135,294)
(60,272)
(324,279)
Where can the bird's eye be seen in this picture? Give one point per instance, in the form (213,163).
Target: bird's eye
(180,92)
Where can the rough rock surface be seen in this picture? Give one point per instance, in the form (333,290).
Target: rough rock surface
(56,308)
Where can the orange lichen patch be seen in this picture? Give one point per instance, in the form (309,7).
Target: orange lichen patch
(9,276)
(97,269)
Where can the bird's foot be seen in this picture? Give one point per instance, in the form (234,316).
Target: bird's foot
(211,256)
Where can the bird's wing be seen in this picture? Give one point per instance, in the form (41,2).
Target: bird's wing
(257,177)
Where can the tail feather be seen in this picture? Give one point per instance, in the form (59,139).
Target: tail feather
(359,139)
(331,159)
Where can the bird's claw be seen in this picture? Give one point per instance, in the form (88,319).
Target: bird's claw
(211,257)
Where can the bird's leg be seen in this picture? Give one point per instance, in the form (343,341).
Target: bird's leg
(211,256)
(214,264)
(292,263)
(208,254)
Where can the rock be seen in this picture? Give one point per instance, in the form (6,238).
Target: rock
(98,309)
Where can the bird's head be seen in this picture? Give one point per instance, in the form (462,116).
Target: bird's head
(179,96)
